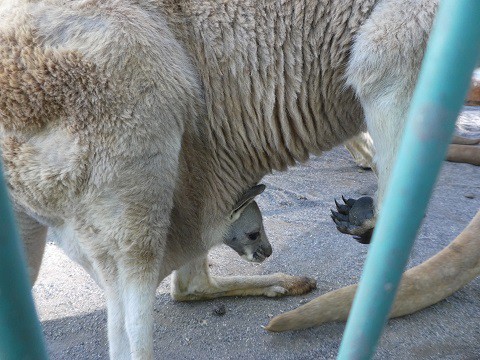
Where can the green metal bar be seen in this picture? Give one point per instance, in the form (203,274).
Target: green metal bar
(20,332)
(449,61)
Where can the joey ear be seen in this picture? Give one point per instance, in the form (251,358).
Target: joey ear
(246,199)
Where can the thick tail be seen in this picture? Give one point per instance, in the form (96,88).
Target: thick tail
(421,286)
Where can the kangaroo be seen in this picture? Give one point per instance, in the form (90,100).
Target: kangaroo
(246,235)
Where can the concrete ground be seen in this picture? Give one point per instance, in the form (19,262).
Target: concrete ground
(296,209)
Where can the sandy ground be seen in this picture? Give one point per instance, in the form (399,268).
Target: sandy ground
(296,209)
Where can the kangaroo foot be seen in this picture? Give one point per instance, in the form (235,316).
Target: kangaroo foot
(355,217)
(464,154)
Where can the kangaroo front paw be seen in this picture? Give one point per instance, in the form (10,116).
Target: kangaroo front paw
(355,217)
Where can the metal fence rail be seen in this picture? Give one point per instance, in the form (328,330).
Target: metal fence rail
(20,332)
(453,49)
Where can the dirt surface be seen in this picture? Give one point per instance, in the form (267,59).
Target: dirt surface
(297,217)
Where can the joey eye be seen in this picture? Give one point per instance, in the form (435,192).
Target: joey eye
(254,235)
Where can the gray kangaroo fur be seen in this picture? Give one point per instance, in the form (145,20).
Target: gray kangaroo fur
(247,235)
(131,129)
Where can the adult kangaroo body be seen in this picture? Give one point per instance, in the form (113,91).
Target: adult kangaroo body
(134,130)
(283,80)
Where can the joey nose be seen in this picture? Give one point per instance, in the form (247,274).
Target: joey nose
(267,250)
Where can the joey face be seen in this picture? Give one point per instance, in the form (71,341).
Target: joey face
(247,236)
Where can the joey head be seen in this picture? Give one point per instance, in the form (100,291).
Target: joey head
(246,235)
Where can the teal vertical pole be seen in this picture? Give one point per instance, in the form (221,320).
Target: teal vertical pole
(20,333)
(449,61)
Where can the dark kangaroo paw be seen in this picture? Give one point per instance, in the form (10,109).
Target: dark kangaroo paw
(355,217)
